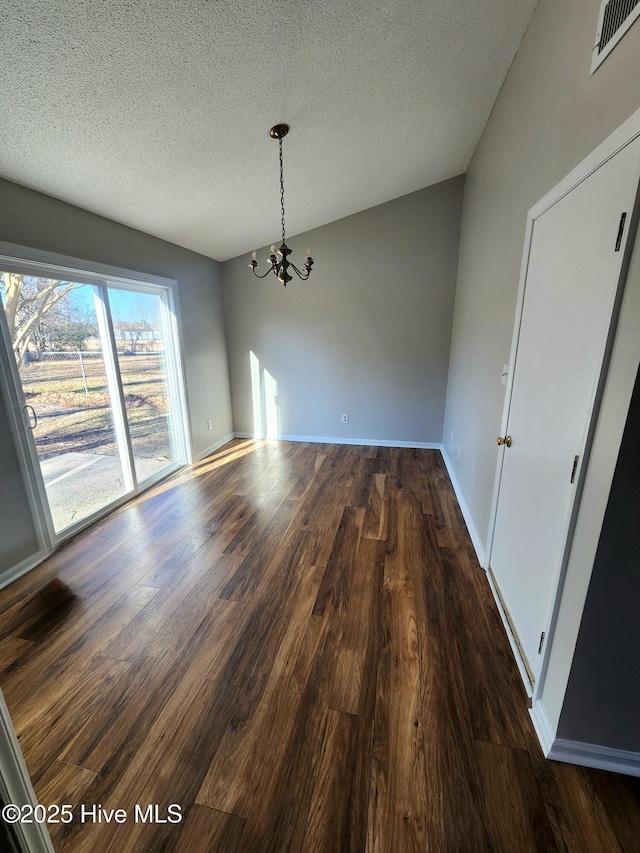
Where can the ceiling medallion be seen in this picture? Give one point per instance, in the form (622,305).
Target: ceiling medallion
(280,268)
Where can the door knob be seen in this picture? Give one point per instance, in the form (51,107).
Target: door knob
(506,440)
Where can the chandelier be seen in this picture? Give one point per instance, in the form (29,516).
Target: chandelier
(280,268)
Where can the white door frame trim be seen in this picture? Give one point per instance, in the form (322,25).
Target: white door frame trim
(16,782)
(619,139)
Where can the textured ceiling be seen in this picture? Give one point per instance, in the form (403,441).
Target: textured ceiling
(156,113)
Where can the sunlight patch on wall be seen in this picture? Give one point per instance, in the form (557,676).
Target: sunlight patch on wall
(264,398)
(271,405)
(258,431)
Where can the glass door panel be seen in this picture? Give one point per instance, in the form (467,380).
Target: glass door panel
(142,354)
(54,331)
(95,385)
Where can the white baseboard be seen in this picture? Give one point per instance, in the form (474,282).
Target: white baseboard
(473,533)
(218,445)
(584,754)
(22,568)
(593,755)
(368,442)
(480,552)
(542,726)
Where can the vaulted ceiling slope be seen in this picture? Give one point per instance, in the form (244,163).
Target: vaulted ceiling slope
(155,113)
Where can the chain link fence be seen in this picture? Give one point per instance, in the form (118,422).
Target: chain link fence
(84,371)
(69,395)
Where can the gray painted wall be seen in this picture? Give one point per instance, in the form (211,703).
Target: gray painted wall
(17,537)
(549,116)
(603,694)
(31,219)
(368,335)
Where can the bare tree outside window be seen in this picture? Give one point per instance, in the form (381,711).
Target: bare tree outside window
(27,302)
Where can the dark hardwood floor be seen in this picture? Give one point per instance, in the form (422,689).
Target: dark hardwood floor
(296,645)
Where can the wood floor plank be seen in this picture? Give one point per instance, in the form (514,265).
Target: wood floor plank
(362,482)
(142,635)
(63,784)
(253,745)
(450,526)
(115,729)
(413,555)
(516,815)
(307,477)
(398,799)
(75,640)
(42,613)
(167,768)
(376,515)
(497,702)
(583,813)
(421,564)
(383,461)
(339,805)
(354,682)
(11,648)
(55,724)
(268,516)
(399,538)
(274,546)
(142,664)
(265,626)
(97,639)
(410,478)
(200,542)
(248,778)
(208,829)
(335,589)
(285,572)
(324,503)
(455,806)
(620,799)
(278,820)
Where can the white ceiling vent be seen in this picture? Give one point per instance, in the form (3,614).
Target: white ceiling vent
(616,16)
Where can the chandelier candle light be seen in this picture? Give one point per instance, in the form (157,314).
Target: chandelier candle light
(281,268)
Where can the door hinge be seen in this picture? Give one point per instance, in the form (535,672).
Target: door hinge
(620,231)
(573,470)
(541,643)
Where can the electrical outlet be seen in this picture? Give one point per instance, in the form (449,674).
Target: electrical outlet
(209,424)
(345,419)
(458,452)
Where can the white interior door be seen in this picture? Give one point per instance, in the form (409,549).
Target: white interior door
(570,291)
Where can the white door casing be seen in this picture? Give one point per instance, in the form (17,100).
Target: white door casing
(572,281)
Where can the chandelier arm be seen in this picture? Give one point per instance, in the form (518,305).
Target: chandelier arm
(271,269)
(298,273)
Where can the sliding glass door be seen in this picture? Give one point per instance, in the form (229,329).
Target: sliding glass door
(98,383)
(139,325)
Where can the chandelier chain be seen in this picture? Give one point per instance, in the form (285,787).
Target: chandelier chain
(281,187)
